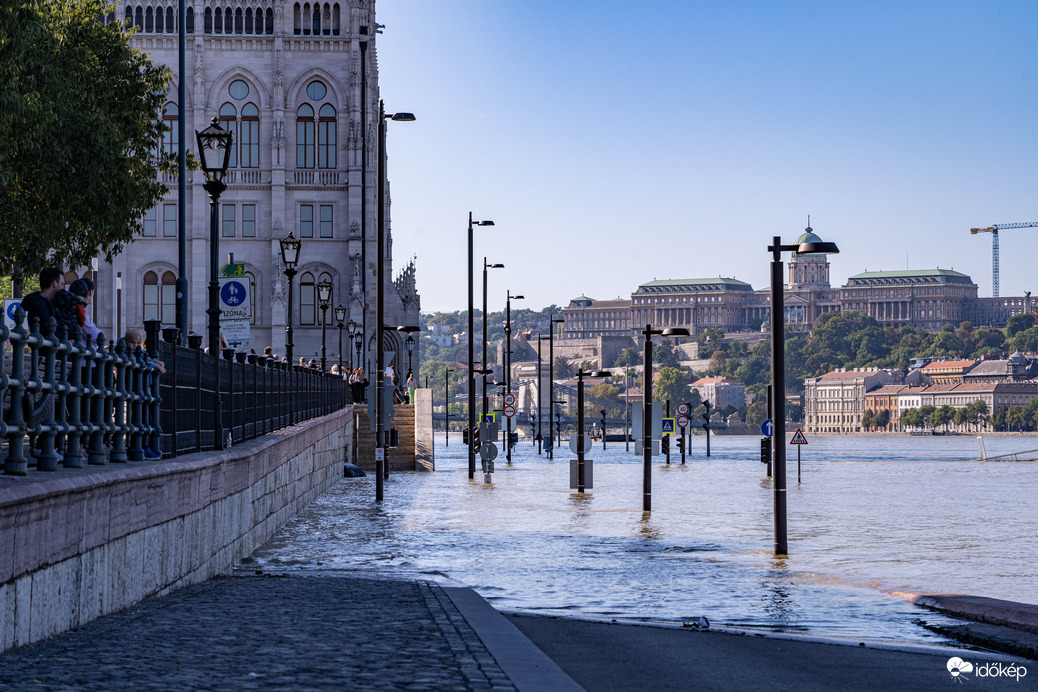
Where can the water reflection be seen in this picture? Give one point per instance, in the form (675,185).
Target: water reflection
(528,542)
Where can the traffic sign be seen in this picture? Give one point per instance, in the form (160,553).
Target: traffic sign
(573,443)
(509,410)
(235,301)
(488,451)
(683,409)
(668,426)
(767,428)
(509,400)
(683,421)
(233,270)
(798,438)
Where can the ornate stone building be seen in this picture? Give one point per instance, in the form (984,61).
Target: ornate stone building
(297,84)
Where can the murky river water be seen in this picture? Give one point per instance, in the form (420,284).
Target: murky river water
(871,515)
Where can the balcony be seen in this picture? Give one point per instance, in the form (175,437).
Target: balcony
(319,178)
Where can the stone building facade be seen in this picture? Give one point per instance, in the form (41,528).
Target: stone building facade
(297,85)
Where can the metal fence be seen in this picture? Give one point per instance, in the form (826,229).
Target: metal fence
(74,404)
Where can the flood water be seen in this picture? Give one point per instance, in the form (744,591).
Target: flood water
(871,515)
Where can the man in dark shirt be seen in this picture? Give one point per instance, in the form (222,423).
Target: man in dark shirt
(37,305)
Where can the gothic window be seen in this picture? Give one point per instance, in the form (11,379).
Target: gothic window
(190,20)
(307,299)
(248,20)
(228,21)
(138,19)
(297,21)
(305,136)
(270,22)
(326,137)
(149,21)
(249,136)
(217,21)
(171,137)
(160,297)
(228,121)
(160,24)
(171,26)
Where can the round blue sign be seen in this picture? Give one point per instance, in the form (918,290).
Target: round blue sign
(232,293)
(11,307)
(767,428)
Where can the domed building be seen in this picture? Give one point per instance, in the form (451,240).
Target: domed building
(808,292)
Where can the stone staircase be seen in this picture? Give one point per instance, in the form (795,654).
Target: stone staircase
(401,457)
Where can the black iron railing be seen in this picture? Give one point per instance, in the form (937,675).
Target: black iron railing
(94,405)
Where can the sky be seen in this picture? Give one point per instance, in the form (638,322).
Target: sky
(617,142)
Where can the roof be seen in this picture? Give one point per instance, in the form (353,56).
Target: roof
(808,236)
(836,375)
(718,280)
(948,365)
(887,389)
(714,380)
(599,304)
(943,275)
(990,368)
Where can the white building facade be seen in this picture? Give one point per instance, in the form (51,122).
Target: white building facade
(297,84)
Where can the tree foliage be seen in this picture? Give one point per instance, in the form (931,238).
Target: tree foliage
(672,386)
(78,109)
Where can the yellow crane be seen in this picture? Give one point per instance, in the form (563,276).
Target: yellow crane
(993,230)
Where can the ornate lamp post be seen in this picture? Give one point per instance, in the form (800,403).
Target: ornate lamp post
(778,375)
(324,299)
(358,342)
(214,150)
(647,410)
(290,258)
(340,315)
(351,331)
(472,380)
(409,342)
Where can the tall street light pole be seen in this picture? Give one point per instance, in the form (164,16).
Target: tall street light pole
(214,149)
(290,247)
(484,389)
(580,422)
(778,375)
(447,406)
(324,299)
(551,376)
(508,366)
(647,410)
(472,375)
(340,315)
(540,410)
(380,296)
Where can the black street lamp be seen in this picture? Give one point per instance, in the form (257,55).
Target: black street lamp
(508,366)
(290,247)
(580,422)
(472,381)
(340,315)
(324,299)
(351,331)
(485,267)
(647,410)
(551,374)
(778,375)
(358,342)
(447,406)
(380,295)
(214,150)
(539,408)
(409,343)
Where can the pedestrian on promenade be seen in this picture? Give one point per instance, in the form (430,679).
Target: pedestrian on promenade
(411,387)
(134,339)
(84,290)
(38,303)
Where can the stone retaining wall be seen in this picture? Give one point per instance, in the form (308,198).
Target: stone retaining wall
(80,543)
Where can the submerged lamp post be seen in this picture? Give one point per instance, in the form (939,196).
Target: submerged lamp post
(214,150)
(778,374)
(647,410)
(508,366)
(551,378)
(580,422)
(485,267)
(447,406)
(472,380)
(290,258)
(324,299)
(340,315)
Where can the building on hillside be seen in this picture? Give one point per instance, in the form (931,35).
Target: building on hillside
(586,318)
(696,304)
(997,396)
(947,371)
(835,401)
(721,391)
(924,298)
(1016,368)
(885,398)
(298,86)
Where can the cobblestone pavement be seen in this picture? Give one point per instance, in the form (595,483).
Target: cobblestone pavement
(268,633)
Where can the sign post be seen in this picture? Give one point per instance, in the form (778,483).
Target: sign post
(799,440)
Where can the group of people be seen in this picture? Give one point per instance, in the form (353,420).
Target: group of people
(68,306)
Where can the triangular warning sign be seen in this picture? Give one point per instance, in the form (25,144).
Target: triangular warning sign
(798,438)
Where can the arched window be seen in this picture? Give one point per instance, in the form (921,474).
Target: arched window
(297,19)
(335,19)
(168,291)
(316,19)
(270,22)
(171,26)
(307,299)
(138,18)
(149,21)
(228,21)
(129,16)
(229,121)
(170,138)
(190,20)
(160,24)
(160,297)
(305,136)
(70,277)
(239,23)
(151,296)
(249,136)
(326,137)
(217,21)
(248,20)
(208,21)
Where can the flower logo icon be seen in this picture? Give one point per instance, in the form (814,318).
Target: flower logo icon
(956,666)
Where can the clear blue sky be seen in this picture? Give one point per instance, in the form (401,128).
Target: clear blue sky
(616,142)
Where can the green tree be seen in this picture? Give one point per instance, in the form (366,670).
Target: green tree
(1019,323)
(628,356)
(925,412)
(1025,341)
(910,418)
(756,413)
(867,420)
(80,120)
(882,419)
(672,385)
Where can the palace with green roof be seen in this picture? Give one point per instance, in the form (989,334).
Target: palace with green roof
(922,298)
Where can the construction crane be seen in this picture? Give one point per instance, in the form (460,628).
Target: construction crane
(993,230)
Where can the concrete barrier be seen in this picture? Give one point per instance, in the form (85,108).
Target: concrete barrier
(80,543)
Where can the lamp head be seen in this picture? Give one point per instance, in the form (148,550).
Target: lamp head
(214,149)
(324,292)
(402,117)
(340,313)
(290,251)
(518,297)
(351,328)
(676,331)
(819,248)
(485,222)
(409,342)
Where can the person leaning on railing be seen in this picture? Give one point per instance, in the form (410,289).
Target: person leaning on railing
(133,340)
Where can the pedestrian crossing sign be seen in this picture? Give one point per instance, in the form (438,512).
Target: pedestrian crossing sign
(668,426)
(798,438)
